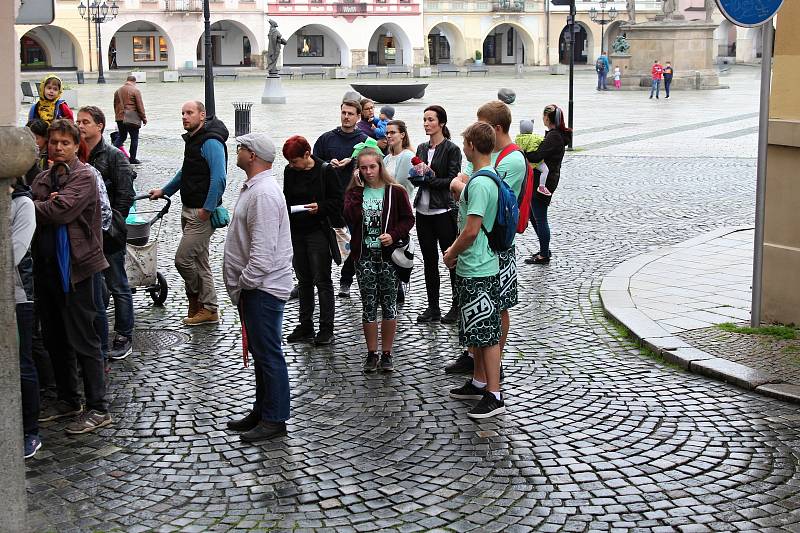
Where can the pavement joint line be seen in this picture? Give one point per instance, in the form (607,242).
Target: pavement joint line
(664,132)
(623,309)
(735,133)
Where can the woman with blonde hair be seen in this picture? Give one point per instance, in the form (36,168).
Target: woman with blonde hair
(379,214)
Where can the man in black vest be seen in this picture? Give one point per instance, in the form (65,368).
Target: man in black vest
(201,181)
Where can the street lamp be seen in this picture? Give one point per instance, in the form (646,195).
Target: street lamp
(603,17)
(98,13)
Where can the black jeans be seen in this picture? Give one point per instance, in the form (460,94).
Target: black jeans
(433,229)
(667,83)
(124,130)
(348,271)
(312,265)
(71,339)
(29,379)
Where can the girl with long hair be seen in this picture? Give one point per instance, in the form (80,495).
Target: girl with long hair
(379,214)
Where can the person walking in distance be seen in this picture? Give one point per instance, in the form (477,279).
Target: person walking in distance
(436,224)
(657,72)
(257,270)
(312,184)
(129,115)
(66,196)
(201,182)
(668,72)
(118,178)
(602,65)
(336,147)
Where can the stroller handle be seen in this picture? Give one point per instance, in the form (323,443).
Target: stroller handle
(163,211)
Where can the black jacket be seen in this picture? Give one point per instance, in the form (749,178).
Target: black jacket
(446,165)
(117,175)
(301,187)
(552,152)
(195,172)
(337,144)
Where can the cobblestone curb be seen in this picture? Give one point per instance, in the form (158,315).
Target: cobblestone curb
(621,307)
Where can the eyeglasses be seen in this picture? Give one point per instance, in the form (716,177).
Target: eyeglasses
(240,147)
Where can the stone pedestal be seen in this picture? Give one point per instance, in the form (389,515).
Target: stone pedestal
(688,45)
(623,61)
(422,72)
(358,57)
(140,75)
(418,56)
(168,76)
(273,91)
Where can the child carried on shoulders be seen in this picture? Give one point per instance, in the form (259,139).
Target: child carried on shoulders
(529,142)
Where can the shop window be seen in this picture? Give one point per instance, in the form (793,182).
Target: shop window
(310,46)
(162,49)
(144,48)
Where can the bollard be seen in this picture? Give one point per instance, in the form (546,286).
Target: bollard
(80,76)
(242,117)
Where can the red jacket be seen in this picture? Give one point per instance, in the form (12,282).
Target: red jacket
(401,218)
(657,71)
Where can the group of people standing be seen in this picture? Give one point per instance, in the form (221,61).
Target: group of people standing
(658,72)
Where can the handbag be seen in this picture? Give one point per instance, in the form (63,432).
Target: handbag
(402,250)
(220,218)
(116,236)
(130,117)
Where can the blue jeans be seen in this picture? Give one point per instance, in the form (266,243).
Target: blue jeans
(29,379)
(601,80)
(101,318)
(117,283)
(263,319)
(540,225)
(667,83)
(655,88)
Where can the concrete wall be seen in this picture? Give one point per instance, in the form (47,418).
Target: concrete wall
(781,275)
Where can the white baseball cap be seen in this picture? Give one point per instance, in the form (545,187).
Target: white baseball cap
(260,144)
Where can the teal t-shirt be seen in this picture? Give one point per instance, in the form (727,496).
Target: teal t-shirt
(512,169)
(373,208)
(478,261)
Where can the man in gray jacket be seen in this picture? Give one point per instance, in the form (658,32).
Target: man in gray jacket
(257,270)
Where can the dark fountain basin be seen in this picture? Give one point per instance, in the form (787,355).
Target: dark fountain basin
(390,93)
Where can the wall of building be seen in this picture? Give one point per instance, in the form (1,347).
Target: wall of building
(331,53)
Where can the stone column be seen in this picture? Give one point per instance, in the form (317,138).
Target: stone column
(419,57)
(781,274)
(359,57)
(17,154)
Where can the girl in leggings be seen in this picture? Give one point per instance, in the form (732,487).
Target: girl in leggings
(436,221)
(378,212)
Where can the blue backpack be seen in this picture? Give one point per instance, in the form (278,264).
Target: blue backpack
(501,237)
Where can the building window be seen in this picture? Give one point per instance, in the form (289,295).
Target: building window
(310,46)
(510,42)
(144,48)
(162,49)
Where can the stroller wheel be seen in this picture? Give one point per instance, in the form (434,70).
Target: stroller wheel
(159,294)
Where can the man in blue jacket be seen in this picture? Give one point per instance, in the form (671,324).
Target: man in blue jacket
(602,66)
(201,181)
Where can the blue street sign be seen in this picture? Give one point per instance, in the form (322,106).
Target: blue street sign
(749,13)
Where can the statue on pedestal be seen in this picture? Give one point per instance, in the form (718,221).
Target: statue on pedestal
(621,45)
(669,8)
(709,7)
(630,5)
(275,41)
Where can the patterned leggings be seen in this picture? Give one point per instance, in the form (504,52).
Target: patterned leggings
(377,283)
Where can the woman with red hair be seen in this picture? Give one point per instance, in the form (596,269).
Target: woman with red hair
(314,199)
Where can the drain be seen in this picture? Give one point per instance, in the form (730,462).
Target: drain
(156,340)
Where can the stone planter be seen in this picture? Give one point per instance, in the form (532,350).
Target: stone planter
(169,76)
(559,70)
(141,76)
(337,73)
(422,72)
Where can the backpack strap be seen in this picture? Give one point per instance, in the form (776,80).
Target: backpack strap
(506,151)
(495,179)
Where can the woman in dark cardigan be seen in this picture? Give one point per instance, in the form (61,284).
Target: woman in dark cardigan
(552,152)
(379,214)
(436,221)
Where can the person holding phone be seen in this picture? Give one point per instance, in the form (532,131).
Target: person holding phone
(311,186)
(378,211)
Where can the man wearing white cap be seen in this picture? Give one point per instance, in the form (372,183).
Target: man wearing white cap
(257,271)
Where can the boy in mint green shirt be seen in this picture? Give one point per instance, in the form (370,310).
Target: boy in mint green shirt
(477,268)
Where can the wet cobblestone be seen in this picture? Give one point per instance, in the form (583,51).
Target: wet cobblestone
(597,437)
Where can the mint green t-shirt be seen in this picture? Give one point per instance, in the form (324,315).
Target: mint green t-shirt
(478,261)
(512,169)
(373,208)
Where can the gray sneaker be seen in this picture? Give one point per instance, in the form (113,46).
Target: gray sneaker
(88,422)
(58,410)
(121,348)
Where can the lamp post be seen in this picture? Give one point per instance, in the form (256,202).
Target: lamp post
(209,62)
(99,13)
(603,17)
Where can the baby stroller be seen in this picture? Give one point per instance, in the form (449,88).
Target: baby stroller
(141,260)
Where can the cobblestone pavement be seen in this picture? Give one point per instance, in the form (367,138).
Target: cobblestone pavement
(597,437)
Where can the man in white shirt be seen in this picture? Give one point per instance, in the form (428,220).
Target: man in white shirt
(257,271)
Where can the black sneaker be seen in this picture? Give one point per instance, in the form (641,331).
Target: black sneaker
(300,334)
(121,348)
(488,406)
(264,430)
(451,317)
(467,391)
(371,362)
(324,337)
(245,424)
(464,364)
(429,315)
(58,410)
(134,162)
(386,362)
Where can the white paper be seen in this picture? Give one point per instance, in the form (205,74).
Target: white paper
(298,208)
